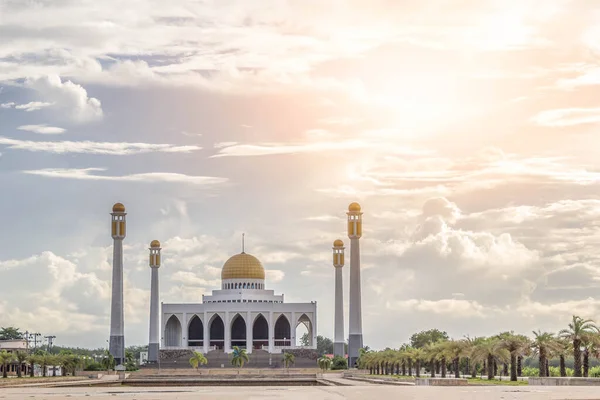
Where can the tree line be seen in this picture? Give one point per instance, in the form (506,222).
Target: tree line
(503,353)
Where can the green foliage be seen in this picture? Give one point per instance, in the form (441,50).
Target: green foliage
(531,372)
(339,362)
(324,344)
(324,363)
(239,357)
(198,359)
(423,338)
(594,372)
(5,359)
(94,366)
(288,359)
(10,333)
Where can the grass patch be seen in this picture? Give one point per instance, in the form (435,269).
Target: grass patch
(396,377)
(493,382)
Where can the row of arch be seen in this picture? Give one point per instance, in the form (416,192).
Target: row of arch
(247,285)
(216,331)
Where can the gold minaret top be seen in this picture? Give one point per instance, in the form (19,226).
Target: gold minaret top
(155,243)
(338,253)
(118,207)
(354,221)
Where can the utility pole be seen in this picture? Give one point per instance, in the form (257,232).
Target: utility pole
(50,341)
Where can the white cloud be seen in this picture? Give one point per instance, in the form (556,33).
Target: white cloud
(32,106)
(70,97)
(86,147)
(89,174)
(42,129)
(274,275)
(450,307)
(567,117)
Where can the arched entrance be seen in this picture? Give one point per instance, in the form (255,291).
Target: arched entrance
(260,332)
(304,331)
(238,331)
(195,332)
(283,332)
(173,332)
(217,332)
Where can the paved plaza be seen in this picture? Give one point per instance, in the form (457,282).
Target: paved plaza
(306,392)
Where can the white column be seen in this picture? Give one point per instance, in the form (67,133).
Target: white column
(154,336)
(355,326)
(227,345)
(206,340)
(271,332)
(184,330)
(248,332)
(338,341)
(293,330)
(117,323)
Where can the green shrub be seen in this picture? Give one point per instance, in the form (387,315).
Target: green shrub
(594,372)
(339,362)
(530,371)
(94,366)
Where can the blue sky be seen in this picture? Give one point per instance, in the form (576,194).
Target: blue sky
(467,130)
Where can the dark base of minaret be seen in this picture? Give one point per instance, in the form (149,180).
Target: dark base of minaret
(355,343)
(339,349)
(153,352)
(116,347)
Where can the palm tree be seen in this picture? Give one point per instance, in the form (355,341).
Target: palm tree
(32,359)
(20,357)
(592,345)
(579,331)
(490,351)
(544,345)
(324,363)
(5,358)
(454,350)
(516,345)
(51,360)
(108,361)
(289,359)
(239,357)
(197,360)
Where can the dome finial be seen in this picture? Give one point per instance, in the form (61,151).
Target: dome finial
(243,243)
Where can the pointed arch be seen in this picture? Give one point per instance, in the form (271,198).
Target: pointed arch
(216,332)
(195,332)
(238,331)
(260,332)
(173,332)
(283,331)
(307,323)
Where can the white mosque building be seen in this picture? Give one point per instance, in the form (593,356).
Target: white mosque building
(241,313)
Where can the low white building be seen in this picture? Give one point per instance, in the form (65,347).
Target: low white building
(242,313)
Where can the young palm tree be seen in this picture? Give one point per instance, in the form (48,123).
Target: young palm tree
(579,331)
(5,359)
(490,351)
(20,357)
(108,361)
(455,349)
(324,363)
(239,357)
(32,359)
(197,360)
(418,355)
(592,346)
(544,345)
(516,345)
(289,359)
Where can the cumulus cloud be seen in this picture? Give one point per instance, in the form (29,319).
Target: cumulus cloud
(567,117)
(42,129)
(87,147)
(69,96)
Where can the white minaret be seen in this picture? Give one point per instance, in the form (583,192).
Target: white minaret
(355,339)
(117,336)
(338,263)
(153,344)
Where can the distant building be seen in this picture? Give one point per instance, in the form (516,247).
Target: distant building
(12,346)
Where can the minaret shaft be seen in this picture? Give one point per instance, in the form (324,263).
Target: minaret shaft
(339,340)
(117,324)
(355,338)
(154,341)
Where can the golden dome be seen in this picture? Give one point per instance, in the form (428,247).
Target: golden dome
(243,266)
(118,207)
(155,243)
(338,243)
(354,207)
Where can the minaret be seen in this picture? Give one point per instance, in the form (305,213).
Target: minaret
(338,263)
(154,303)
(355,339)
(117,338)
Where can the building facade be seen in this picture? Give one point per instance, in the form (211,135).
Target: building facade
(243,313)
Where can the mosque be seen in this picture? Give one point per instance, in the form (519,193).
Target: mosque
(242,312)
